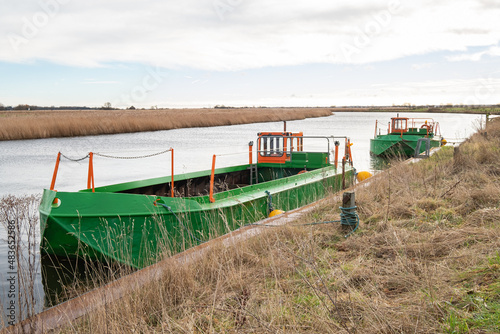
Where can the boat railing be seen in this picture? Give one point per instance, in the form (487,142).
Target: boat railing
(284,150)
(279,148)
(405,124)
(90,156)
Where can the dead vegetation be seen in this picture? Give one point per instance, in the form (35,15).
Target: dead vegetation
(35,124)
(425,260)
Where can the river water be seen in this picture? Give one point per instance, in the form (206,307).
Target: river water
(26,166)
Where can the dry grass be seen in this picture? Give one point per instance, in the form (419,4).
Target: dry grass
(493,110)
(425,260)
(68,123)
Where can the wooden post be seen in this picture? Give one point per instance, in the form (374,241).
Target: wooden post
(348,201)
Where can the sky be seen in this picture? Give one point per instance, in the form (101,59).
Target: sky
(201,53)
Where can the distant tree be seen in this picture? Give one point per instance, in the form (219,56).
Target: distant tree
(22,107)
(2,107)
(132,107)
(107,106)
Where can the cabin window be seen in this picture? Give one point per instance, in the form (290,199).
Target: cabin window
(271,146)
(399,124)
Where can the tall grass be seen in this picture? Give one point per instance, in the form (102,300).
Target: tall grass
(19,217)
(68,123)
(424,260)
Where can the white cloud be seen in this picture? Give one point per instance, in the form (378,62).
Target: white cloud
(493,51)
(243,34)
(418,67)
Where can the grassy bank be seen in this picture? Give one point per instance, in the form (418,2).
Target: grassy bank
(425,259)
(68,123)
(492,110)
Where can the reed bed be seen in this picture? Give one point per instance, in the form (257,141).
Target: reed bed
(425,260)
(36,124)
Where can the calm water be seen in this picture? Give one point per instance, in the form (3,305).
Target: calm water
(26,166)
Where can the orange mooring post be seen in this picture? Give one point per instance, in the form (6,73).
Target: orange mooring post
(250,152)
(337,144)
(172,177)
(90,180)
(350,154)
(376,124)
(56,168)
(212,200)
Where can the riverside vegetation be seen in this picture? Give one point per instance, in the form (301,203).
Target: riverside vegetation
(425,259)
(16,125)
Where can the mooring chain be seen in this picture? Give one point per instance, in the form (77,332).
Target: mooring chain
(114,157)
(138,157)
(77,159)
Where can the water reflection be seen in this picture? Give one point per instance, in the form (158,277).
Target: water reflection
(66,278)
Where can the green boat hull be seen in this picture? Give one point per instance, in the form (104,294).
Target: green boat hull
(139,229)
(397,145)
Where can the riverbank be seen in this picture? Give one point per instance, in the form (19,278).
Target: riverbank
(491,110)
(36,124)
(424,260)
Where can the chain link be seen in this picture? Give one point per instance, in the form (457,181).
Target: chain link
(138,157)
(75,160)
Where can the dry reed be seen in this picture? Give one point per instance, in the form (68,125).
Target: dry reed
(68,123)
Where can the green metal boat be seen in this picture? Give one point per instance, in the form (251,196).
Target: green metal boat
(138,223)
(406,137)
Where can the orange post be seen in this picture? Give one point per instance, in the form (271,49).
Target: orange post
(172,177)
(350,154)
(212,200)
(56,168)
(376,125)
(250,152)
(90,180)
(337,144)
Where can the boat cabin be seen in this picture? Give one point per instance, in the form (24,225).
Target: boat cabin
(412,126)
(277,147)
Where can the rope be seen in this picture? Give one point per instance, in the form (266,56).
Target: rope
(137,157)
(350,219)
(346,218)
(180,222)
(269,202)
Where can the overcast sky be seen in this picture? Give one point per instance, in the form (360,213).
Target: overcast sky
(194,53)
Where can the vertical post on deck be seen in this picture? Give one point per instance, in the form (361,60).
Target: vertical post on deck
(56,168)
(337,144)
(350,153)
(212,200)
(172,177)
(250,152)
(343,173)
(90,179)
